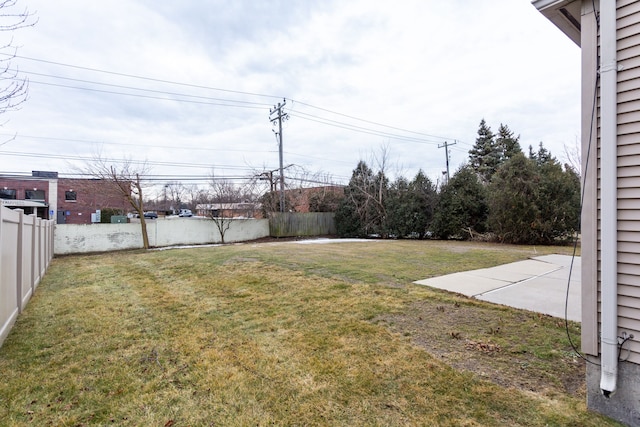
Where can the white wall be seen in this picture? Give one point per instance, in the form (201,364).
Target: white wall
(74,238)
(82,238)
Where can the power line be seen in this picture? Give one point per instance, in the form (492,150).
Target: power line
(172,147)
(224,102)
(144,96)
(137,88)
(361,129)
(316,158)
(133,76)
(369,121)
(221,90)
(122,161)
(253,105)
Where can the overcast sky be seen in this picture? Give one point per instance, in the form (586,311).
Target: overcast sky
(187,85)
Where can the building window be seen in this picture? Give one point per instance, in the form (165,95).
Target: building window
(70,196)
(34,195)
(7,193)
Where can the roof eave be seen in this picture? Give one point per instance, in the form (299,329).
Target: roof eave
(564,14)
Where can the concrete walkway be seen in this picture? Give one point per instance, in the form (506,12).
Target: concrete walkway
(538,284)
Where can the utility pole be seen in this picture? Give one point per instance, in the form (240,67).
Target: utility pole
(268,176)
(446,153)
(280,117)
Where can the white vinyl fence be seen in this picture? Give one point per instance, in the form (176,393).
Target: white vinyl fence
(26,249)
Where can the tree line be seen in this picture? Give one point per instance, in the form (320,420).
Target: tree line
(500,194)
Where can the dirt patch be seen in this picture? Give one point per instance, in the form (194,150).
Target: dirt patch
(502,346)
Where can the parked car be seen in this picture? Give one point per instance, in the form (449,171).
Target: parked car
(185,213)
(151,215)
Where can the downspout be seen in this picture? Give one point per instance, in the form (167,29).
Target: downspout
(609,199)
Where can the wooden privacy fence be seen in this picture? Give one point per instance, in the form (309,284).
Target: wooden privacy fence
(26,249)
(292,224)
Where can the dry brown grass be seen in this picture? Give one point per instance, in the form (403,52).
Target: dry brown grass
(281,334)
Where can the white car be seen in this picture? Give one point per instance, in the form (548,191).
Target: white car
(185,213)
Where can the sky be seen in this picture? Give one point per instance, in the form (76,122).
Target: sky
(188,86)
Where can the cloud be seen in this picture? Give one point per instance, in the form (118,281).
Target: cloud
(430,67)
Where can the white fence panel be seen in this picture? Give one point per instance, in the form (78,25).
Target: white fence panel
(9,308)
(25,253)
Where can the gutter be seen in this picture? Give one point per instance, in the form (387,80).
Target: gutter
(609,199)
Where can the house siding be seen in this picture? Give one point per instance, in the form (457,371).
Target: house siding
(628,157)
(628,181)
(623,405)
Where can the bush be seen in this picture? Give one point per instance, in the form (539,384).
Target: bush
(107,213)
(410,206)
(513,192)
(462,207)
(534,201)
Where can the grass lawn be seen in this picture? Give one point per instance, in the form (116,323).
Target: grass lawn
(285,334)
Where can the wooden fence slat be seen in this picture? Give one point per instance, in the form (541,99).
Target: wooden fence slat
(293,224)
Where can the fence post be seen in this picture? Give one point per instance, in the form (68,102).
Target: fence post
(1,239)
(19,258)
(34,275)
(39,244)
(51,228)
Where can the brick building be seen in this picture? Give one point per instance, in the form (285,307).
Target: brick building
(325,199)
(67,200)
(230,210)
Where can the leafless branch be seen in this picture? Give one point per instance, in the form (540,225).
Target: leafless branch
(127,179)
(13,88)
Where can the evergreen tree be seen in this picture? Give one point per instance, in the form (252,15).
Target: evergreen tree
(361,212)
(558,201)
(410,206)
(543,156)
(485,155)
(400,208)
(533,200)
(513,210)
(347,220)
(508,144)
(462,206)
(325,201)
(426,197)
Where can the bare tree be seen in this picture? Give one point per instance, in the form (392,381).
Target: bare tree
(175,193)
(127,178)
(13,88)
(195,196)
(382,160)
(364,212)
(573,157)
(225,196)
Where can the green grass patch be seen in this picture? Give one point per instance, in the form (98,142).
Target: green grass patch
(281,334)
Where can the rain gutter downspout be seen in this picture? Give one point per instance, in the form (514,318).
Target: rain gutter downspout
(609,199)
